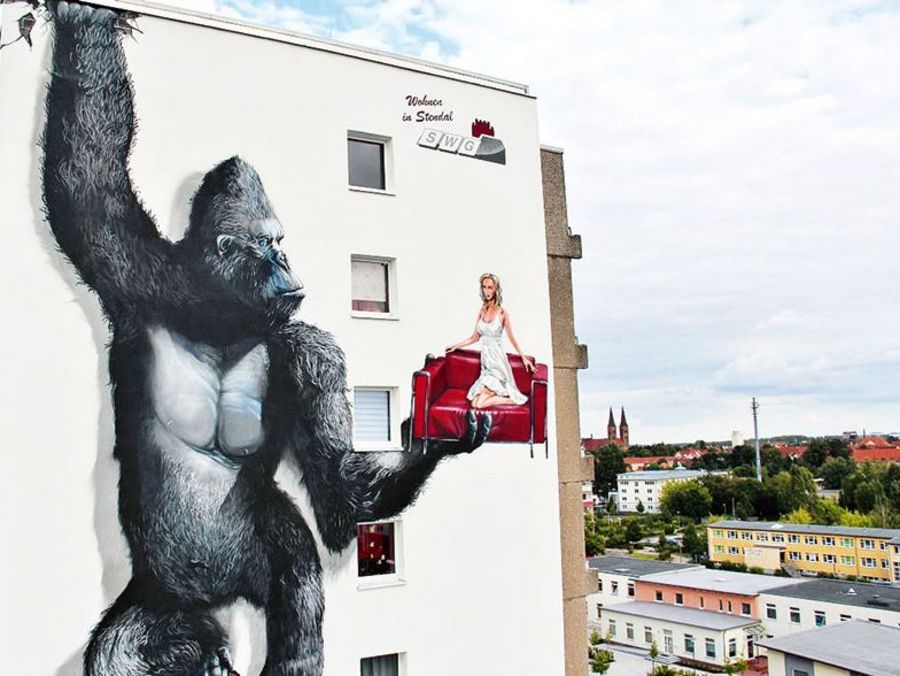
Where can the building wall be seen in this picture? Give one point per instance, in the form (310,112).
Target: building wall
(782,625)
(721,539)
(678,631)
(649,493)
(693,598)
(609,590)
(287,109)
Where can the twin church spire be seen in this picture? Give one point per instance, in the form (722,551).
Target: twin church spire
(619,437)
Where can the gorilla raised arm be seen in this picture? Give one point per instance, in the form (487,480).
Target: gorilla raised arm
(212,384)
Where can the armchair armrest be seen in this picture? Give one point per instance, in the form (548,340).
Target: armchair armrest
(427,385)
(538,401)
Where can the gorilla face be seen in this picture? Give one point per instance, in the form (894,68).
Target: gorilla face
(253,266)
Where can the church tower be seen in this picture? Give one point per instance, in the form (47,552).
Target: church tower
(611,427)
(623,429)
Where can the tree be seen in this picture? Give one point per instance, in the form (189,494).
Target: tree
(743,455)
(816,453)
(611,506)
(737,666)
(654,653)
(640,507)
(835,470)
(594,542)
(799,515)
(686,498)
(600,660)
(662,547)
(691,542)
(632,531)
(609,462)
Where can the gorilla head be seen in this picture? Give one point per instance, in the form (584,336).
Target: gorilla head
(236,234)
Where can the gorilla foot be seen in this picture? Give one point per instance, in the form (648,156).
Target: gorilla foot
(478,426)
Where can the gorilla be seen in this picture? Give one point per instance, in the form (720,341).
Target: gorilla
(213,383)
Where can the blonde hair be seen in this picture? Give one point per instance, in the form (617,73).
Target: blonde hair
(498,294)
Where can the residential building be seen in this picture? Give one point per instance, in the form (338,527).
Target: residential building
(846,649)
(820,602)
(875,449)
(389,235)
(837,550)
(737,438)
(894,551)
(693,637)
(619,438)
(640,463)
(709,589)
(645,488)
(617,577)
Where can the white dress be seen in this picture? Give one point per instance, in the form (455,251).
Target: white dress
(496,373)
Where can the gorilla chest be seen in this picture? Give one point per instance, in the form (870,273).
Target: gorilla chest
(209,398)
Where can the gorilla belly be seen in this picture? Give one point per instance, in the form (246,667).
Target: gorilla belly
(209,399)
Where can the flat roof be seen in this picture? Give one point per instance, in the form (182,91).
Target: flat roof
(811,528)
(861,647)
(859,594)
(692,617)
(634,567)
(661,474)
(243,27)
(725,581)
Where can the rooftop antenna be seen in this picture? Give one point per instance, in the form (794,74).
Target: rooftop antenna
(755,408)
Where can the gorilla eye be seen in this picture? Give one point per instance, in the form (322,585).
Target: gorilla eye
(262,242)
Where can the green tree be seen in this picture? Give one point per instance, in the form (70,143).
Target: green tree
(600,660)
(733,666)
(594,541)
(691,542)
(816,453)
(835,470)
(654,653)
(799,515)
(609,462)
(633,531)
(686,498)
(640,507)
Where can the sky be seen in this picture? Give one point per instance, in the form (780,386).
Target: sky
(733,169)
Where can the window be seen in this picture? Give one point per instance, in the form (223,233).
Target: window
(778,538)
(372,419)
(762,537)
(828,558)
(745,609)
(732,647)
(734,550)
(612,628)
(710,648)
(771,612)
(732,534)
(689,644)
(659,595)
(648,635)
(668,642)
(811,540)
(799,672)
(702,602)
(746,536)
(679,599)
(599,584)
(729,606)
(866,544)
(376,548)
(366,161)
(383,665)
(820,618)
(615,588)
(868,562)
(372,287)
(629,630)
(794,539)
(631,588)
(718,532)
(847,560)
(721,605)
(812,557)
(599,610)
(828,541)
(847,542)
(846,618)
(874,621)
(795,556)
(795,615)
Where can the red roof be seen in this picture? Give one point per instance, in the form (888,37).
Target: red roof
(650,459)
(891,454)
(874,442)
(790,451)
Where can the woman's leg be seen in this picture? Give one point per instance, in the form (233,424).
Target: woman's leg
(495,400)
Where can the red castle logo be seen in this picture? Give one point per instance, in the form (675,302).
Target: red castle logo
(482,128)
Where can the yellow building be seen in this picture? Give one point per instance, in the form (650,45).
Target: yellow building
(837,550)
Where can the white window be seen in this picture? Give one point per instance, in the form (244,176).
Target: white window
(746,536)
(373,287)
(668,642)
(378,549)
(868,562)
(679,599)
(812,557)
(658,595)
(745,609)
(648,635)
(828,541)
(732,647)
(732,534)
(612,628)
(734,550)
(867,544)
(689,644)
(811,540)
(629,630)
(795,556)
(369,162)
(383,665)
(794,539)
(771,612)
(795,615)
(374,425)
(820,618)
(762,537)
(848,561)
(847,542)
(710,648)
(828,558)
(778,538)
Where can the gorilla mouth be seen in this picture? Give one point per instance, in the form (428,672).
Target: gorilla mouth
(293,293)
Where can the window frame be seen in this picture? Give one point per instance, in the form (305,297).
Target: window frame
(393,312)
(387,162)
(401,662)
(398,577)
(394,443)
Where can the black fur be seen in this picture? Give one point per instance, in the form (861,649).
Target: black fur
(218,289)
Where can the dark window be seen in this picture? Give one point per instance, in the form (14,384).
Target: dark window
(679,599)
(376,545)
(383,665)
(820,618)
(745,609)
(366,161)
(710,648)
(795,615)
(659,596)
(631,588)
(771,613)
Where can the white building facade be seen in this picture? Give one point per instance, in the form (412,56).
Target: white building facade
(645,488)
(391,270)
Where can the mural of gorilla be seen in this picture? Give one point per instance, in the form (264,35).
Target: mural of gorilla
(212,384)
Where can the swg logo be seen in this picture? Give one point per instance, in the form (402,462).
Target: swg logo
(485,148)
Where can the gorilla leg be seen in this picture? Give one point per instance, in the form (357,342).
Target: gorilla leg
(135,639)
(295,604)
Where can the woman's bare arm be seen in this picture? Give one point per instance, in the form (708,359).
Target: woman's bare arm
(471,339)
(507,324)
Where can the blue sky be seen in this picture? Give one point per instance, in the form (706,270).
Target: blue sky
(734,171)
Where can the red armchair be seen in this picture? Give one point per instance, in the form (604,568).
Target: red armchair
(439,404)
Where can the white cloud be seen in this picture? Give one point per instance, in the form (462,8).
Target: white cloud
(732,168)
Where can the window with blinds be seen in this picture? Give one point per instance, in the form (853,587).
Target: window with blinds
(370,282)
(371,415)
(383,665)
